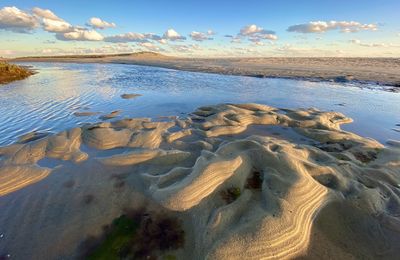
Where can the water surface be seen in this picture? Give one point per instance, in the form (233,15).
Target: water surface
(47,101)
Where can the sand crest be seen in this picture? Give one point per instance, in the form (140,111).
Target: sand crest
(245,191)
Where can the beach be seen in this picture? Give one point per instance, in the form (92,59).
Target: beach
(204,130)
(382,71)
(235,180)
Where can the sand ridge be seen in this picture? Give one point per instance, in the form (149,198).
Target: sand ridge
(185,164)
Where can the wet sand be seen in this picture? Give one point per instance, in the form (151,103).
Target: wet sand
(247,181)
(382,71)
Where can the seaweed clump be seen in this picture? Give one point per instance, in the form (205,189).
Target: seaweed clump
(136,235)
(254,182)
(230,195)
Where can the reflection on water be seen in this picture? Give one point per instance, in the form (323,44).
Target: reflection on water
(47,100)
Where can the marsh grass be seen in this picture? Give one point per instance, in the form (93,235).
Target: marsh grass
(10,72)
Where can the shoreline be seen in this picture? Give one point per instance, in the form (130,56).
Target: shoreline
(380,71)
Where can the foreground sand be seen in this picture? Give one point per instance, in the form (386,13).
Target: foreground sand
(384,71)
(303,187)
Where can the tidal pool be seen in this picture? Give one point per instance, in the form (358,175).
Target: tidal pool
(50,100)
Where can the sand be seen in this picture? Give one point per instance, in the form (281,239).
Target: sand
(130,96)
(305,188)
(383,71)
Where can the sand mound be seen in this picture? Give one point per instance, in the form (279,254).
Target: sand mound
(249,192)
(111,115)
(130,96)
(85,113)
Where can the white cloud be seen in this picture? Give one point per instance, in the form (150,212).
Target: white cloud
(51,22)
(364,44)
(58,26)
(255,34)
(133,37)
(150,46)
(6,52)
(162,41)
(100,24)
(80,34)
(172,35)
(199,36)
(45,13)
(250,30)
(105,49)
(15,20)
(236,39)
(322,26)
(189,48)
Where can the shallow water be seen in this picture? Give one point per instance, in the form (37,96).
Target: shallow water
(48,100)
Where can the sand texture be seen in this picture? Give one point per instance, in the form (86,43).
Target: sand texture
(249,181)
(384,71)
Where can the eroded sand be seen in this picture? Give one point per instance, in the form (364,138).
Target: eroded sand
(323,192)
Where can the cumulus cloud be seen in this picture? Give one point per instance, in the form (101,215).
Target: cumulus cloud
(253,29)
(199,36)
(100,24)
(133,37)
(162,41)
(45,13)
(15,20)
(172,35)
(57,26)
(51,22)
(255,34)
(322,26)
(80,34)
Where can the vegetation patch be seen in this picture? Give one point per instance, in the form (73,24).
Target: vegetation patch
(255,181)
(137,235)
(11,72)
(230,195)
(366,157)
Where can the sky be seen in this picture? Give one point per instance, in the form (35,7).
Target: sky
(205,28)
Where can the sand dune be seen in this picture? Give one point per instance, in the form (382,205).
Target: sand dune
(245,193)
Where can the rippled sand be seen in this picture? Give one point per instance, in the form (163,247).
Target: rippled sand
(303,187)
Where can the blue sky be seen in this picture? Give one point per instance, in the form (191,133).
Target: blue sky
(199,28)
